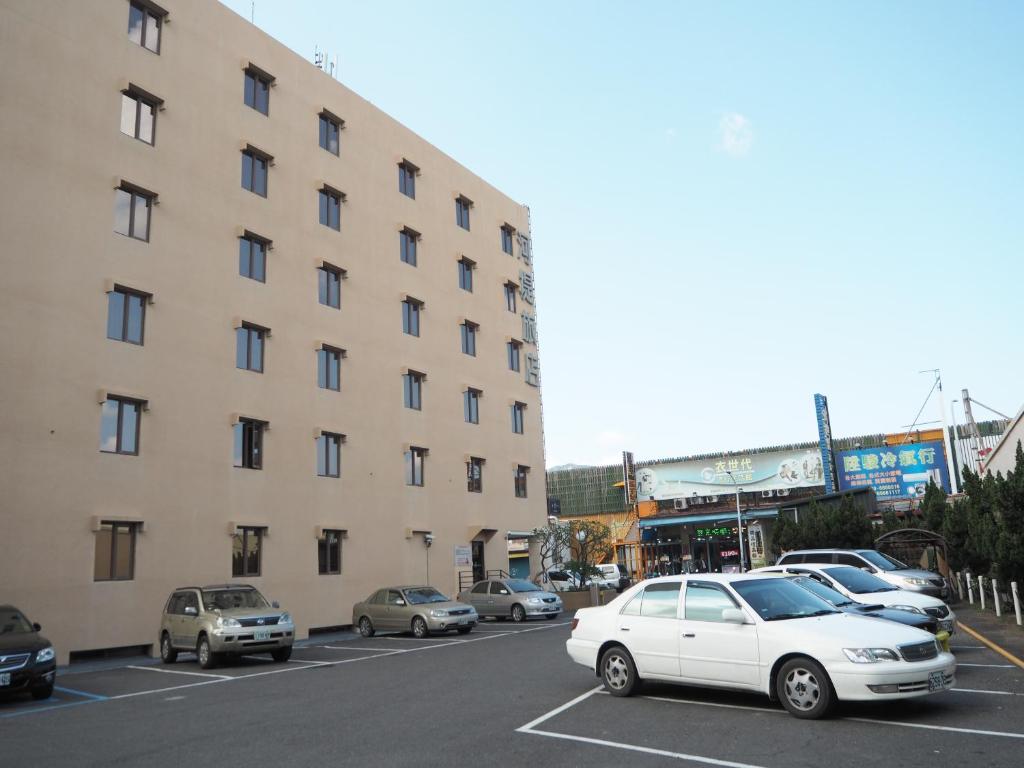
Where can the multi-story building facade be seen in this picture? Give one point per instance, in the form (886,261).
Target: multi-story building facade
(252,329)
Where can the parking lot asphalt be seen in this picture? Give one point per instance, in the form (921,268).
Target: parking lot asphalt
(506,694)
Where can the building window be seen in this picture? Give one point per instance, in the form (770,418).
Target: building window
(254,171)
(514,349)
(510,296)
(408,239)
(471,405)
(518,415)
(249,341)
(126,314)
(412,385)
(521,473)
(462,206)
(507,233)
(330,133)
(119,425)
(144,23)
(329,280)
(475,475)
(257,90)
(330,207)
(466,267)
(131,212)
(468,330)
(246,551)
(138,116)
(414,460)
(328,368)
(252,257)
(115,551)
(411,316)
(329,553)
(328,455)
(407,178)
(249,443)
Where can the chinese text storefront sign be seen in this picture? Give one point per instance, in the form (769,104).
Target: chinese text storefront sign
(895,471)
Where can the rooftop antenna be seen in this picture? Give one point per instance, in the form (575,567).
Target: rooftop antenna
(252,12)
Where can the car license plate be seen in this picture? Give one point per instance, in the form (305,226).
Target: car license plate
(936,681)
(5,679)
(261,634)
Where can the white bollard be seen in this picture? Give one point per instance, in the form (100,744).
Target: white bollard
(970,589)
(981,591)
(959,585)
(995,599)
(1016,600)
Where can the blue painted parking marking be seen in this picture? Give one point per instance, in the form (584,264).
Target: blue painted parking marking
(84,694)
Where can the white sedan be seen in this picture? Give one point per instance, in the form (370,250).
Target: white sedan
(755,633)
(862,587)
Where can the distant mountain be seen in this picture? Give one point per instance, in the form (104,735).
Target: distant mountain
(562,467)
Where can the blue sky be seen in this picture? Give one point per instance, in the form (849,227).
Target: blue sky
(734,205)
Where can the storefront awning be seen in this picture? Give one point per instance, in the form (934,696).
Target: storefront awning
(519,535)
(753,514)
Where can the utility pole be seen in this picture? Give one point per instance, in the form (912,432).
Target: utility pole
(972,426)
(739,520)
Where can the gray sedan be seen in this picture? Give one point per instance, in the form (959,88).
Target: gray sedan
(421,610)
(515,598)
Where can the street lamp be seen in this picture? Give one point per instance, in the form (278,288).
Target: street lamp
(739,520)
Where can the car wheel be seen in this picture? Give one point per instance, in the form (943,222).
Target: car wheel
(207,658)
(804,689)
(167,653)
(419,627)
(619,672)
(518,613)
(282,654)
(366,627)
(42,692)
(465,630)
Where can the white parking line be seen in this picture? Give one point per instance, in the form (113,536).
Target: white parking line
(178,672)
(529,728)
(994,693)
(1000,666)
(937,727)
(967,648)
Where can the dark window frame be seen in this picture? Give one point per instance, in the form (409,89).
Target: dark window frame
(407,173)
(508,233)
(520,481)
(252,331)
(511,299)
(330,201)
(242,566)
(411,309)
(326,122)
(329,276)
(329,541)
(128,294)
(258,77)
(468,334)
(518,418)
(514,353)
(148,11)
(466,267)
(140,98)
(471,405)
(248,241)
(462,207)
(122,403)
(408,246)
(412,390)
(136,193)
(252,433)
(251,156)
(329,358)
(324,442)
(111,570)
(475,475)
(415,456)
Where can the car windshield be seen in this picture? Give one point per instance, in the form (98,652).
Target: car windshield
(857,581)
(226,599)
(421,595)
(13,623)
(521,585)
(779,599)
(825,593)
(884,562)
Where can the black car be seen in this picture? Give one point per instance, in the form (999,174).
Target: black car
(844,604)
(27,661)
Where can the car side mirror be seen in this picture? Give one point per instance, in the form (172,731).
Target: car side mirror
(867,568)
(36,627)
(275,604)
(503,592)
(399,601)
(191,610)
(733,616)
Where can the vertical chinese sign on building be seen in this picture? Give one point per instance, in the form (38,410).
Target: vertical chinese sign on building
(529,313)
(825,442)
(628,478)
(895,472)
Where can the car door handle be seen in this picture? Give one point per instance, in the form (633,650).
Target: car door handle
(689,634)
(623,629)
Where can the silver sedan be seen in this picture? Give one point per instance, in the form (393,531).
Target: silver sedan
(419,609)
(517,599)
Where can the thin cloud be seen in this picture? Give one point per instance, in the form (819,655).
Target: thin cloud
(735,134)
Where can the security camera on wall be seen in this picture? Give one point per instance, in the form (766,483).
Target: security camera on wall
(428,539)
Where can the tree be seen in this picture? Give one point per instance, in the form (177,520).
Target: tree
(552,542)
(589,542)
(933,507)
(1008,505)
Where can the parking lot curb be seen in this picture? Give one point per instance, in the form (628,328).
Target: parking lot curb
(1001,651)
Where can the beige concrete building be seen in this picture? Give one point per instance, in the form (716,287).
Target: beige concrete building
(216,260)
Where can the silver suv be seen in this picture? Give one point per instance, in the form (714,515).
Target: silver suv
(223,619)
(887,568)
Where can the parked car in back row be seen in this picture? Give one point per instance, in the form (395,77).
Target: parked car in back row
(419,609)
(27,660)
(223,620)
(614,576)
(887,568)
(517,599)
(756,633)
